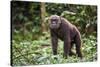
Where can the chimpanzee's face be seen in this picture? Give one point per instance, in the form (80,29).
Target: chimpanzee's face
(54,22)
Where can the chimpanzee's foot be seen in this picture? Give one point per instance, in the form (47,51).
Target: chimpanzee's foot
(65,56)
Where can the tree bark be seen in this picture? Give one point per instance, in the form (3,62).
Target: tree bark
(43,10)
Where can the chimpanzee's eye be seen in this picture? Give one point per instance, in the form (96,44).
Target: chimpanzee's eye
(54,21)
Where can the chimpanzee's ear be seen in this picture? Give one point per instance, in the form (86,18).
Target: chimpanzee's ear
(60,17)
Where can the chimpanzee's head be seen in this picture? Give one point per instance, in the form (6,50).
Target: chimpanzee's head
(54,21)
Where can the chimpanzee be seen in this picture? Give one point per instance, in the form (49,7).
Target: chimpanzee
(64,30)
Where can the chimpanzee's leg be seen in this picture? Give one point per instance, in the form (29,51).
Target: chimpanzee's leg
(71,52)
(78,45)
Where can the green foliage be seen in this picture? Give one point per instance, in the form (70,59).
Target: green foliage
(90,48)
(40,52)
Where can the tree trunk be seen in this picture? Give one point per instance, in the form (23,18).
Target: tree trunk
(43,10)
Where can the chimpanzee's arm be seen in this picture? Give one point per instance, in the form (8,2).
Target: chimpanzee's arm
(54,40)
(67,42)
